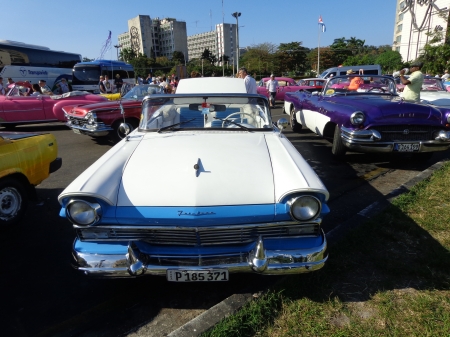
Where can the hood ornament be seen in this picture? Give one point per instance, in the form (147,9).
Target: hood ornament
(199,168)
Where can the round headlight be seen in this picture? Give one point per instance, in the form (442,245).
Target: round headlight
(83,213)
(357,118)
(305,208)
(448,118)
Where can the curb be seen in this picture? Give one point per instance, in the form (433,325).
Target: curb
(230,305)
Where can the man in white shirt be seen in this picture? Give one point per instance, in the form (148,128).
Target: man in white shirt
(108,85)
(44,88)
(446,75)
(250,83)
(272,88)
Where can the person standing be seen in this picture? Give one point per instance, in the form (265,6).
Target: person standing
(2,87)
(63,86)
(107,84)
(101,86)
(413,84)
(272,88)
(140,80)
(44,88)
(250,83)
(118,83)
(446,75)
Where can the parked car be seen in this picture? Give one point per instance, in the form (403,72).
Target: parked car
(16,108)
(205,187)
(433,91)
(26,159)
(286,85)
(311,84)
(372,118)
(103,119)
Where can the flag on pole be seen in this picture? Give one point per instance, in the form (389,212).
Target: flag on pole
(321,24)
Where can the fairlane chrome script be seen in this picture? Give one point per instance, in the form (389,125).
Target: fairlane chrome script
(180,213)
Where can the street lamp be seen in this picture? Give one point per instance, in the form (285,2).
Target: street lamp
(117,46)
(237,15)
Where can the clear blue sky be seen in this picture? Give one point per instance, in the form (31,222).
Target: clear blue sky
(82,26)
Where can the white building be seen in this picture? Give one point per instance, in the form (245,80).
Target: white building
(155,37)
(414,20)
(221,41)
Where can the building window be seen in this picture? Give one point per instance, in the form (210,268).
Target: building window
(398,39)
(399,28)
(402,5)
(400,17)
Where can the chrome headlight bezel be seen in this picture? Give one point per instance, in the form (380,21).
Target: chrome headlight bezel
(94,209)
(91,118)
(448,118)
(314,213)
(357,118)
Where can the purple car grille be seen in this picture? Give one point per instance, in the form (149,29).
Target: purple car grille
(406,132)
(197,236)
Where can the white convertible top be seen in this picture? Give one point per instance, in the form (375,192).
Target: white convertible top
(211,85)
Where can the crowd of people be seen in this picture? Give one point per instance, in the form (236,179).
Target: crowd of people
(40,88)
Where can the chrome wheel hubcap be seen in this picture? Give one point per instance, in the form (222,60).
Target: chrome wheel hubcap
(10,201)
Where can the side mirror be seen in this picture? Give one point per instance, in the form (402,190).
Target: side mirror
(282,124)
(124,128)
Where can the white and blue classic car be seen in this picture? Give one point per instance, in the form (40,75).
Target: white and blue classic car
(206,186)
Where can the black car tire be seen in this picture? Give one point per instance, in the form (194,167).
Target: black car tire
(338,148)
(13,202)
(116,135)
(296,126)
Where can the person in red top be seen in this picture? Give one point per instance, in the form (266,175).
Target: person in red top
(355,81)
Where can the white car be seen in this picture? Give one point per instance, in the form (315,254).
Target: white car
(433,92)
(205,187)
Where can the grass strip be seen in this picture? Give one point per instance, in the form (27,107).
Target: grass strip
(389,277)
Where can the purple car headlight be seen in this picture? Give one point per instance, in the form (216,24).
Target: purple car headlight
(357,118)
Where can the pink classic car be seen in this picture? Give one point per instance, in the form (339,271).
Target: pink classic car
(288,84)
(17,107)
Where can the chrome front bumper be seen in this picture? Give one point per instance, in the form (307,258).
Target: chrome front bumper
(258,260)
(370,141)
(97,130)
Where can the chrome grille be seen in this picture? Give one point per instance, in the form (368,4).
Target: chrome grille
(197,260)
(197,236)
(406,132)
(76,121)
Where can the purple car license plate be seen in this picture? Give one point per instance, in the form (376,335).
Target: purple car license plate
(406,147)
(212,275)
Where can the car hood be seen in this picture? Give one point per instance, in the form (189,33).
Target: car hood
(82,110)
(385,108)
(234,168)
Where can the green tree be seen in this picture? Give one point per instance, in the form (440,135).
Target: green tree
(292,57)
(389,60)
(127,54)
(178,57)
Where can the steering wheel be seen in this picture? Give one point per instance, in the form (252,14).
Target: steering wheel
(376,88)
(236,113)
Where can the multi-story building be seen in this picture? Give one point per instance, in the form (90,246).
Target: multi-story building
(221,41)
(414,21)
(155,37)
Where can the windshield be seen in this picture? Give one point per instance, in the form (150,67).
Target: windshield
(138,92)
(84,74)
(205,112)
(356,84)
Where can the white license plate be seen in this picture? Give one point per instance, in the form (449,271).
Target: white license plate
(76,131)
(406,147)
(212,275)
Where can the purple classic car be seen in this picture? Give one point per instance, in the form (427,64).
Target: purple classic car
(287,84)
(369,118)
(17,107)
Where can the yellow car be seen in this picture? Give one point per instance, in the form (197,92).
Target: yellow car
(26,159)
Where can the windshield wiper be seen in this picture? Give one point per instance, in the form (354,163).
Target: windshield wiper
(170,127)
(231,122)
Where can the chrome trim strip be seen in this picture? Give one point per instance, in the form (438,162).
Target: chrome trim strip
(260,260)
